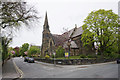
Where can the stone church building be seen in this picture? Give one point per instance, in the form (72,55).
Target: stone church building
(70,41)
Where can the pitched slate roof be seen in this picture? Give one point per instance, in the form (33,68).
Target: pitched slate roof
(77,32)
(73,44)
(61,40)
(68,33)
(58,39)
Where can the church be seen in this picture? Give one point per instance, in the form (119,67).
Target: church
(70,41)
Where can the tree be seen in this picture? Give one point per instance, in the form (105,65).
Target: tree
(24,48)
(100,27)
(10,49)
(17,51)
(33,50)
(60,52)
(0,52)
(12,15)
(5,42)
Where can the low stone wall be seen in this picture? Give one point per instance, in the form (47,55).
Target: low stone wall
(75,61)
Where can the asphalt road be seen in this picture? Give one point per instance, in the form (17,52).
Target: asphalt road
(43,70)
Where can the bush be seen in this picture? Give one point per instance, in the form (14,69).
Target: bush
(83,56)
(91,56)
(41,57)
(99,56)
(99,53)
(118,56)
(34,56)
(52,56)
(113,55)
(47,57)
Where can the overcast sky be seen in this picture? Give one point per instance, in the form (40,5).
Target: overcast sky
(61,13)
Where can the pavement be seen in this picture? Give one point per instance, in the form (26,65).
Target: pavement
(0,69)
(9,70)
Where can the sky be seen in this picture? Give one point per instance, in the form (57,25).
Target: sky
(61,14)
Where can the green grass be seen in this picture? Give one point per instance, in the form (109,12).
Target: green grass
(71,57)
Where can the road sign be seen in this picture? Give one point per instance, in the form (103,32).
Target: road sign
(66,54)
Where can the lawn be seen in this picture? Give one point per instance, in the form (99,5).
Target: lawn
(71,57)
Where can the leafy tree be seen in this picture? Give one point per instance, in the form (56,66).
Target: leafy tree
(9,50)
(33,50)
(24,48)
(17,51)
(60,52)
(101,27)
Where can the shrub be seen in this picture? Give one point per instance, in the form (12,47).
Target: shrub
(47,57)
(91,56)
(99,53)
(52,56)
(34,56)
(98,56)
(118,56)
(113,55)
(83,56)
(41,57)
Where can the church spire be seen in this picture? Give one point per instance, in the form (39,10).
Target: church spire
(46,25)
(46,19)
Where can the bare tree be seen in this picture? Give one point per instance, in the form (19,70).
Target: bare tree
(12,15)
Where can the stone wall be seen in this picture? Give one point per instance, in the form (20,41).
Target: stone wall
(74,52)
(75,61)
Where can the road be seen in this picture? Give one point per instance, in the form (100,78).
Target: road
(43,70)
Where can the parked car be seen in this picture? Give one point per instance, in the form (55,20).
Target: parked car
(118,61)
(26,59)
(31,60)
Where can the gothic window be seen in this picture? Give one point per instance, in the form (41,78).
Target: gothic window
(47,35)
(50,44)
